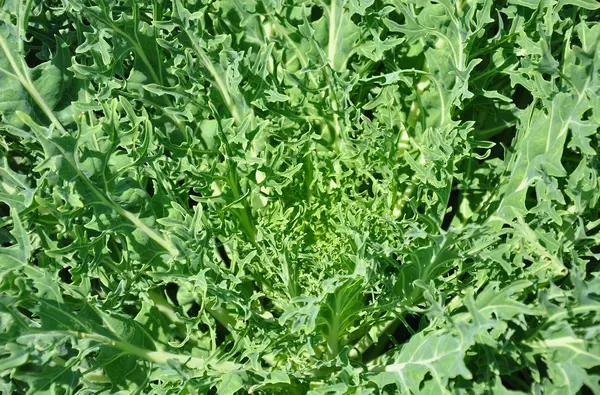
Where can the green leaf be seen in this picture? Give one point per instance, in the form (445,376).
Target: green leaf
(230,384)
(339,310)
(441,355)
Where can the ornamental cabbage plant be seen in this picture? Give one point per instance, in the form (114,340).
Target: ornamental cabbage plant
(299,197)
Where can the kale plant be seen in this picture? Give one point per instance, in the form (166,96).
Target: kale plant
(299,197)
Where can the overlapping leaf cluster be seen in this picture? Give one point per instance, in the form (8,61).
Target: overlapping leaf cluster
(266,196)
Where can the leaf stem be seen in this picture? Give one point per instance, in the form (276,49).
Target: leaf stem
(160,357)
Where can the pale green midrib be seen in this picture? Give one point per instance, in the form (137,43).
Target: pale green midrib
(283,32)
(237,105)
(160,357)
(564,129)
(565,342)
(332,32)
(138,49)
(140,52)
(28,85)
(574,311)
(333,335)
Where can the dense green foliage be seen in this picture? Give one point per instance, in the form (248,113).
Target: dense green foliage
(291,197)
